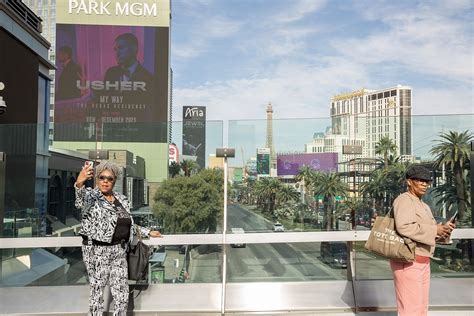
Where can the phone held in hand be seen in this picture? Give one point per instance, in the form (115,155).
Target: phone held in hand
(454,217)
(88,163)
(90,180)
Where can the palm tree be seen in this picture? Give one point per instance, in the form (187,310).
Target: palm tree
(188,166)
(271,186)
(375,188)
(287,193)
(384,147)
(304,175)
(329,186)
(174,169)
(452,151)
(354,206)
(395,183)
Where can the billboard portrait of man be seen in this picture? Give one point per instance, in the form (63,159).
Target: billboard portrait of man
(128,67)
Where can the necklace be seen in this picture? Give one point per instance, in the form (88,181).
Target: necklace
(110,198)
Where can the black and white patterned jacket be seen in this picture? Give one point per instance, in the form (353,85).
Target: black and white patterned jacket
(99,217)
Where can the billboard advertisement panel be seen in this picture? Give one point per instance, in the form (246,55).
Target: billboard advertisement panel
(194,133)
(112,78)
(290,164)
(263,161)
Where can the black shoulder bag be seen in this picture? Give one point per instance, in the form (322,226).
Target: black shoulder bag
(137,259)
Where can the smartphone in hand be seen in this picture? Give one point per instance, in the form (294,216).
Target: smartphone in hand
(90,180)
(454,217)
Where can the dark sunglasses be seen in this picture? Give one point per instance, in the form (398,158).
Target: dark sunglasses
(422,181)
(108,178)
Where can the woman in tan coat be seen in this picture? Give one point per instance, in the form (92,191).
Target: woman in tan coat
(413,219)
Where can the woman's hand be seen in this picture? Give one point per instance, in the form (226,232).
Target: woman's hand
(155,233)
(444,230)
(86,173)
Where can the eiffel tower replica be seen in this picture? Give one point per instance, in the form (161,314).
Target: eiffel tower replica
(269,142)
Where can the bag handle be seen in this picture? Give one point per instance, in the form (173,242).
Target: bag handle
(139,234)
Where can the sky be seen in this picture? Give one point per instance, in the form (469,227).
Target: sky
(235,56)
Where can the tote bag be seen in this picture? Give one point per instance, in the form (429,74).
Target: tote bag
(386,242)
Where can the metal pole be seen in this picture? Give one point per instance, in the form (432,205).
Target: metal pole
(224,247)
(443,176)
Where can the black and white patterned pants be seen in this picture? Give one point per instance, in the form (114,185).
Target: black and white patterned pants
(106,264)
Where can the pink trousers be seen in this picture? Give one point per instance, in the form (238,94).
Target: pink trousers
(412,287)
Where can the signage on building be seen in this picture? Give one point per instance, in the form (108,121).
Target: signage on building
(194,133)
(113,69)
(290,164)
(101,12)
(173,153)
(263,161)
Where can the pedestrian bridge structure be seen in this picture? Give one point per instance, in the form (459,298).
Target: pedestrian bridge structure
(275,273)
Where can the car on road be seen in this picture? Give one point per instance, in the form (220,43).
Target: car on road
(238,230)
(334,253)
(278,227)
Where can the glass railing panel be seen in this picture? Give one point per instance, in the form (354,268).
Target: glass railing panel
(256,218)
(287,262)
(145,165)
(42,184)
(453,260)
(42,267)
(369,180)
(65,266)
(369,266)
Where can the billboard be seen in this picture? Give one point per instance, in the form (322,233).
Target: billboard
(263,161)
(113,69)
(290,164)
(194,133)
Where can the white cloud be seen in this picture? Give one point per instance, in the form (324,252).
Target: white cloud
(298,10)
(295,89)
(442,101)
(426,41)
(429,39)
(205,30)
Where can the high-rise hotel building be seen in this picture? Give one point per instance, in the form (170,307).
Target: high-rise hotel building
(363,117)
(46,10)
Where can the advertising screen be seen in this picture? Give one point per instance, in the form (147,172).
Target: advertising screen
(112,77)
(290,164)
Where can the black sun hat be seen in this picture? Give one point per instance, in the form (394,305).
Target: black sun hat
(418,172)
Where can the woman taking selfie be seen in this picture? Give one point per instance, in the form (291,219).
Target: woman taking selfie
(107,229)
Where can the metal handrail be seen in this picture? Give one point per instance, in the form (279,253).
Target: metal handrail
(216,239)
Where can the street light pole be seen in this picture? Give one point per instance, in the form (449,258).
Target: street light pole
(224,153)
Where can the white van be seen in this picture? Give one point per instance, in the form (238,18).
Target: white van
(238,230)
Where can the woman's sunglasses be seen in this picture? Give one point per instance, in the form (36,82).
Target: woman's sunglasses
(108,178)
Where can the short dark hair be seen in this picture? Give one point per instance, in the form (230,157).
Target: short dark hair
(66,50)
(129,38)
